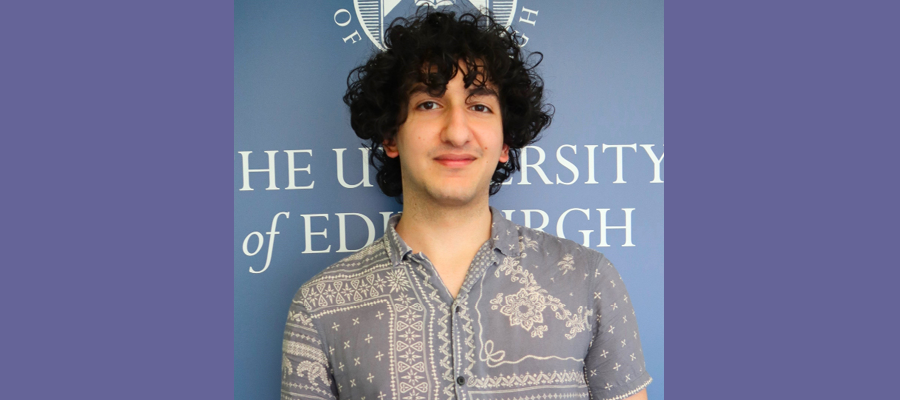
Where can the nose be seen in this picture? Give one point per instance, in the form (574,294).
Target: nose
(457,130)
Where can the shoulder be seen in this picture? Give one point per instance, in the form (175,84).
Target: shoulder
(353,267)
(558,262)
(549,248)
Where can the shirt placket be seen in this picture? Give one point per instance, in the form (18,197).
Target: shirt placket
(459,348)
(457,343)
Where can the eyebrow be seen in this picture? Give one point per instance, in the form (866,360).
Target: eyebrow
(483,91)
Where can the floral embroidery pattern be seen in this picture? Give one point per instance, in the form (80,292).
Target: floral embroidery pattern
(326,293)
(396,279)
(525,308)
(567,264)
(300,318)
(286,368)
(555,396)
(526,243)
(528,379)
(410,347)
(312,369)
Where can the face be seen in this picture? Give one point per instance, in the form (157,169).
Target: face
(450,144)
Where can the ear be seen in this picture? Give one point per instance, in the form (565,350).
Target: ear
(504,153)
(390,148)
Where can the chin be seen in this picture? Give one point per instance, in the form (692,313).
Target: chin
(450,197)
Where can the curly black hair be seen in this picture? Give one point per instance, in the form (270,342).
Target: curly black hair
(428,48)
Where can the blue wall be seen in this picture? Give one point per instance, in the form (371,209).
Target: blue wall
(603,69)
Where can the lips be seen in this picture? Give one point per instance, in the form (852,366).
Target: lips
(455,160)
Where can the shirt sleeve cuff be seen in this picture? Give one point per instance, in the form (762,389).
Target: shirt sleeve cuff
(636,385)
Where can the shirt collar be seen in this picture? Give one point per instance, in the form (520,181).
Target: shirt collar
(504,238)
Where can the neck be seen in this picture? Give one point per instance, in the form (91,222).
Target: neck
(439,231)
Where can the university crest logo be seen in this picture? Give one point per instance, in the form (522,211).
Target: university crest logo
(375,16)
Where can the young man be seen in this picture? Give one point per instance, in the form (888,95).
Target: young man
(455,301)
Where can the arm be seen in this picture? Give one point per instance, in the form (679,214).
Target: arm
(642,395)
(614,364)
(305,367)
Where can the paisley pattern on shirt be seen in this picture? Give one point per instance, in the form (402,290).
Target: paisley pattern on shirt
(536,317)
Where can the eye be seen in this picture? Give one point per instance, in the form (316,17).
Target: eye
(481,108)
(428,105)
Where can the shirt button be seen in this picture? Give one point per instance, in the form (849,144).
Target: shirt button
(460,381)
(458,309)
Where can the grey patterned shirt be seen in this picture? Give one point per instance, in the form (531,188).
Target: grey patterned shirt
(537,317)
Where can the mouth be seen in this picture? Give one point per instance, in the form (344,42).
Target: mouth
(455,161)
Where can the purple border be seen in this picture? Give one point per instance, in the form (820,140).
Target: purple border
(117,137)
(116,129)
(776,115)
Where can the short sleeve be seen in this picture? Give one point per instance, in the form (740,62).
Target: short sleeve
(305,369)
(614,366)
